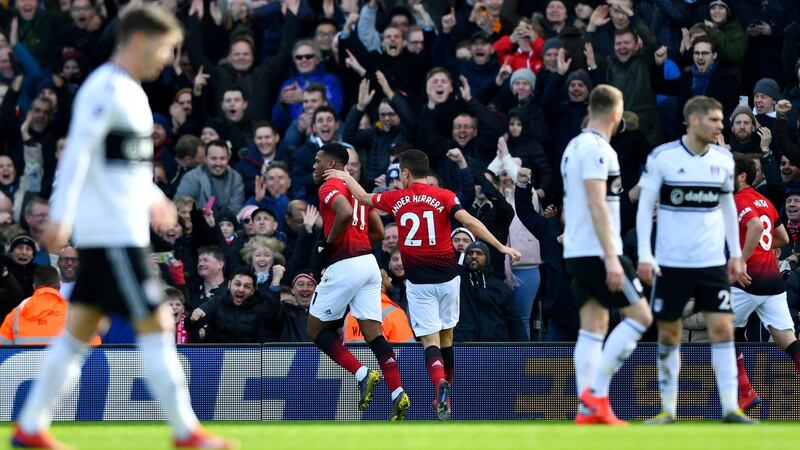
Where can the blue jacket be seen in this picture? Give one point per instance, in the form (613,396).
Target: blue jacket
(283,115)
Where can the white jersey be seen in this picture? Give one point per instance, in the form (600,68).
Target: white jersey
(105,175)
(690,225)
(589,156)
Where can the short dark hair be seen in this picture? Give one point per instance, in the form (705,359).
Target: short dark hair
(746,165)
(46,276)
(416,162)
(400,147)
(235,88)
(317,87)
(324,109)
(171,292)
(264,124)
(705,40)
(401,11)
(243,37)
(245,271)
(212,250)
(337,152)
(441,70)
(278,165)
(626,30)
(187,145)
(148,19)
(218,143)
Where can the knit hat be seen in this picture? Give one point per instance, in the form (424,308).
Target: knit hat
(482,247)
(307,276)
(480,36)
(553,42)
(219,126)
(463,230)
(46,83)
(582,76)
(721,3)
(165,123)
(227,216)
(524,74)
(743,109)
(393,172)
(22,239)
(768,87)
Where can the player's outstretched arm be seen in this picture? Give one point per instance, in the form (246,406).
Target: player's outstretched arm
(358,192)
(481,232)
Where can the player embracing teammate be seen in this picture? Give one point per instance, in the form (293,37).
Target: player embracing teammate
(424,216)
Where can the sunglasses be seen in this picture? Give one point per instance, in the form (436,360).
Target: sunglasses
(302,57)
(246,220)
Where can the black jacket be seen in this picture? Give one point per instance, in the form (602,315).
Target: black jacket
(228,323)
(487,313)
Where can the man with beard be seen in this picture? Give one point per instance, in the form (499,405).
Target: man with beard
(68,265)
(214,179)
(238,315)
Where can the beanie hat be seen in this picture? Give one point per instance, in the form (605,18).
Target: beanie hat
(463,230)
(482,247)
(46,83)
(22,239)
(307,276)
(768,87)
(743,109)
(552,43)
(721,3)
(582,76)
(393,172)
(524,74)
(165,123)
(228,216)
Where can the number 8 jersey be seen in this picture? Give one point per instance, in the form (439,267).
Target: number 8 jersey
(423,213)
(762,265)
(354,241)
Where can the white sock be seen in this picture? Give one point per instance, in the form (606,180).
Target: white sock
(619,346)
(61,368)
(396,393)
(723,358)
(587,354)
(167,382)
(361,373)
(669,366)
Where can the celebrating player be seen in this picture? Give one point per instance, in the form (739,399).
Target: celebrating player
(692,179)
(423,214)
(602,278)
(352,278)
(106,191)
(760,287)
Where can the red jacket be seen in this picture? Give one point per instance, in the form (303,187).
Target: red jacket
(516,58)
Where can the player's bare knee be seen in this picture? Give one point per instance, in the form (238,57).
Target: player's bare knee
(669,333)
(782,338)
(640,312)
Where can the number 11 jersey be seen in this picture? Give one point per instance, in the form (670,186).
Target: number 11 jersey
(423,214)
(354,241)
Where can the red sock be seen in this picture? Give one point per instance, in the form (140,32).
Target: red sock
(390,371)
(331,343)
(435,364)
(744,382)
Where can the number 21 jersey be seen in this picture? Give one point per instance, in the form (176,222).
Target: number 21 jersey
(423,213)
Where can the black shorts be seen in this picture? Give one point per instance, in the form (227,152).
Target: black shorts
(589,282)
(117,281)
(709,286)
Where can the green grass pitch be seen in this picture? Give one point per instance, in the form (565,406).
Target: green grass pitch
(544,435)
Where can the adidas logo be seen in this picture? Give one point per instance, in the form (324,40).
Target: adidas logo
(391,361)
(327,312)
(320,249)
(437,363)
(681,170)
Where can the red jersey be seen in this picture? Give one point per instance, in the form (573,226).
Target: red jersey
(354,241)
(761,265)
(423,213)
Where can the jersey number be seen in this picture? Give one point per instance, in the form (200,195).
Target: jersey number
(414,218)
(766,236)
(725,300)
(359,215)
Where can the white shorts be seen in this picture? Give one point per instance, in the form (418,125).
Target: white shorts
(772,309)
(433,307)
(352,281)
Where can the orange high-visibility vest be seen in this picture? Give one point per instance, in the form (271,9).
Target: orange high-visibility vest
(37,320)
(395,324)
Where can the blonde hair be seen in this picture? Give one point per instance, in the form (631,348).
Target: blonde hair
(260,243)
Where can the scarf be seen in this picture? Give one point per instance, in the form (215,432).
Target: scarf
(262,277)
(181,335)
(700,80)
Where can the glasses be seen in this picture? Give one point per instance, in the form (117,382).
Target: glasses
(309,56)
(246,220)
(68,259)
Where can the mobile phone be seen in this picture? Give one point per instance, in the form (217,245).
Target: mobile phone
(744,100)
(163,257)
(209,205)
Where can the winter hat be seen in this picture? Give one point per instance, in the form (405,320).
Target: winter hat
(721,3)
(219,126)
(228,216)
(524,74)
(768,87)
(307,276)
(743,109)
(165,123)
(482,247)
(393,172)
(552,43)
(22,239)
(582,76)
(46,83)
(246,212)
(463,230)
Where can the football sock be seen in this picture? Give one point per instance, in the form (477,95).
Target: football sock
(448,356)
(619,346)
(793,350)
(61,367)
(744,381)
(388,362)
(331,343)
(586,356)
(167,382)
(669,366)
(433,360)
(723,358)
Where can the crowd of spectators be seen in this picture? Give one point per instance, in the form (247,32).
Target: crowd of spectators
(491,90)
